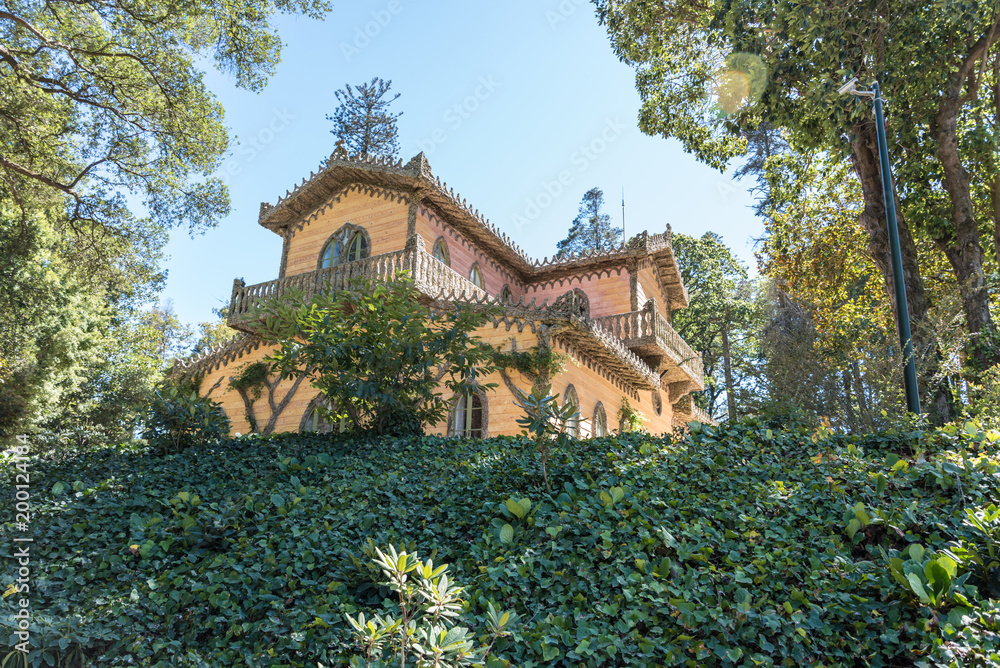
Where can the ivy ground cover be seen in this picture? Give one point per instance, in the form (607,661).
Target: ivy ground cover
(741,546)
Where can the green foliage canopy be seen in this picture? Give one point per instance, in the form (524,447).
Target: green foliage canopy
(724,546)
(720,320)
(592,230)
(379,354)
(102,100)
(708,73)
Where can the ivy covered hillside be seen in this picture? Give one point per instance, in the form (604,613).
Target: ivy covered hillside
(742,545)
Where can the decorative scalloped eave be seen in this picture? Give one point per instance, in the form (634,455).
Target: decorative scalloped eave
(418,167)
(216,357)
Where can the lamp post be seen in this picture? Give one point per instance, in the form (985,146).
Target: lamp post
(888,192)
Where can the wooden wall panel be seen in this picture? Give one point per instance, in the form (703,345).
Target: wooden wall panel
(463,254)
(383,217)
(593,383)
(648,284)
(503,413)
(609,292)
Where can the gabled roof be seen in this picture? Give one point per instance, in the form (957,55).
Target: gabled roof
(415,178)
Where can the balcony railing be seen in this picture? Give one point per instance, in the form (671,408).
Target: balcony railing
(649,332)
(430,276)
(644,333)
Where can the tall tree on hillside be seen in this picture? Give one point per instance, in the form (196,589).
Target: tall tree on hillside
(363,121)
(829,322)
(934,67)
(103,106)
(764,143)
(103,101)
(591,230)
(719,322)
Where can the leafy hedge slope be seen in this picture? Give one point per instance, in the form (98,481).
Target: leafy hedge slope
(724,547)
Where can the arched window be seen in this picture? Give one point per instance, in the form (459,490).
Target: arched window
(600,421)
(468,416)
(441,251)
(657,403)
(313,421)
(476,276)
(571,399)
(347,245)
(506,296)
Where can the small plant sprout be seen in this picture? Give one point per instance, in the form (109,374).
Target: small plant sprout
(546,422)
(429,605)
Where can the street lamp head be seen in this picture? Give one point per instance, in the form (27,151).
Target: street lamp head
(848,87)
(851,88)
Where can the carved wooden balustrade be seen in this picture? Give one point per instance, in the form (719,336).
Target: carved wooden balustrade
(701,416)
(651,336)
(430,276)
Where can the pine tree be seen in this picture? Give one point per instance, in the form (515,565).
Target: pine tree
(591,229)
(363,122)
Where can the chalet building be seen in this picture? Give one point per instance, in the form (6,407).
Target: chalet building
(608,312)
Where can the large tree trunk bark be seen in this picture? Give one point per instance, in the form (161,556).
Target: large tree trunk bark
(865,158)
(962,246)
(873,219)
(852,419)
(727,364)
(995,201)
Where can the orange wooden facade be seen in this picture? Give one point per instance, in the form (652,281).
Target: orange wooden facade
(608,312)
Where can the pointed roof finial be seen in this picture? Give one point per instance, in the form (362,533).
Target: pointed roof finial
(339,152)
(419,166)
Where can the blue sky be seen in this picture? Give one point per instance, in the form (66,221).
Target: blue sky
(520,106)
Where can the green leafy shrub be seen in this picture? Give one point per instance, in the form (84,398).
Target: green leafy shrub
(979,554)
(545,421)
(984,398)
(629,418)
(721,547)
(376,352)
(53,641)
(178,418)
(932,580)
(537,364)
(428,604)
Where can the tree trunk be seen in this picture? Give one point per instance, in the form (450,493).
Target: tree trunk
(278,408)
(995,201)
(865,158)
(962,246)
(248,410)
(995,183)
(852,419)
(727,366)
(859,391)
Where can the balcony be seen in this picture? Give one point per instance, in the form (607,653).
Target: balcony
(640,344)
(430,276)
(649,335)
